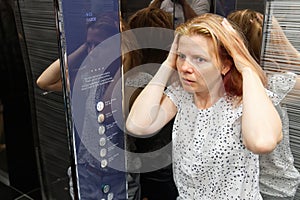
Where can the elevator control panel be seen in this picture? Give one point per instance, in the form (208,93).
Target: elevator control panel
(90,38)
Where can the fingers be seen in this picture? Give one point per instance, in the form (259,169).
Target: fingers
(260,17)
(174,45)
(171,59)
(227,25)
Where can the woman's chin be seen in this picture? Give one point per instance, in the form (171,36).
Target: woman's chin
(188,88)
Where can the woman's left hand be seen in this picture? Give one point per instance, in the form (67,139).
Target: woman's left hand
(237,43)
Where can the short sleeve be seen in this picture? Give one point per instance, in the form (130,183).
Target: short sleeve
(174,92)
(139,80)
(281,83)
(274,97)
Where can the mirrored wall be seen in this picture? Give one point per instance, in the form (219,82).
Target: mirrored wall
(81,128)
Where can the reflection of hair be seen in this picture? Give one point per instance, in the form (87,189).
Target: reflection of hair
(151,17)
(222,41)
(250,23)
(104,26)
(131,58)
(280,51)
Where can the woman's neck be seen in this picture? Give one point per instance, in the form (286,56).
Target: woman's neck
(204,100)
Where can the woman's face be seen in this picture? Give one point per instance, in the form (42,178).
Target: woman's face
(95,36)
(196,68)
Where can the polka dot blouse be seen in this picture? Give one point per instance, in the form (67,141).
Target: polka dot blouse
(210,161)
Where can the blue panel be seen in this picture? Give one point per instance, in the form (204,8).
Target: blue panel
(92,39)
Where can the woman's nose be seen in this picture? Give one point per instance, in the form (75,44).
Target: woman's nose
(186,66)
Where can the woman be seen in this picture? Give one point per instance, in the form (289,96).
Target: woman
(89,175)
(279,178)
(224,116)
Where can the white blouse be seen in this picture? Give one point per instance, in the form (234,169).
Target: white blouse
(210,161)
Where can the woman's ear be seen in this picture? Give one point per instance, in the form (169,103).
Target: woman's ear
(225,69)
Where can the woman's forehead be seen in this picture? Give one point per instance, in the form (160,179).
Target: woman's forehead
(195,44)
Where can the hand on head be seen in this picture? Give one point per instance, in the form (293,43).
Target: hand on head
(239,59)
(172,56)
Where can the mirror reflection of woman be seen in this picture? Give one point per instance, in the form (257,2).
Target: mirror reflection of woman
(224,114)
(279,178)
(157,183)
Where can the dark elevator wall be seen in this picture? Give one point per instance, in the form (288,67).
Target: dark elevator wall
(18,126)
(36,19)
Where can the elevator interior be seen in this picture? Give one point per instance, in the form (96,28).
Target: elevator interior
(34,146)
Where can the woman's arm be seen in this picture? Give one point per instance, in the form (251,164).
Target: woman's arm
(50,79)
(152,109)
(261,124)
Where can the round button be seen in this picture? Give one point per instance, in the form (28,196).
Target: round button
(102,141)
(101,130)
(103,152)
(110,196)
(100,106)
(104,163)
(105,188)
(101,118)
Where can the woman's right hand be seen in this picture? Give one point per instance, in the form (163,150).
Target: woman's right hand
(171,59)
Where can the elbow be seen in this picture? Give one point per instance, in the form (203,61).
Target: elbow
(44,85)
(130,128)
(135,129)
(264,145)
(40,83)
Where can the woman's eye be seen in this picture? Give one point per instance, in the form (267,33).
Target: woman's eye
(181,56)
(200,60)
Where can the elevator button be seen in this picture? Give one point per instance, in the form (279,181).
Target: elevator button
(100,106)
(101,130)
(105,188)
(110,196)
(101,118)
(104,163)
(103,152)
(102,141)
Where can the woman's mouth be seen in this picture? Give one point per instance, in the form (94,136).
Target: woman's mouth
(187,81)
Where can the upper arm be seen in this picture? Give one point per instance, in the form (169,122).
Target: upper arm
(50,79)
(166,112)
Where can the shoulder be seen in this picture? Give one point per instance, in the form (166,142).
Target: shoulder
(281,83)
(177,94)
